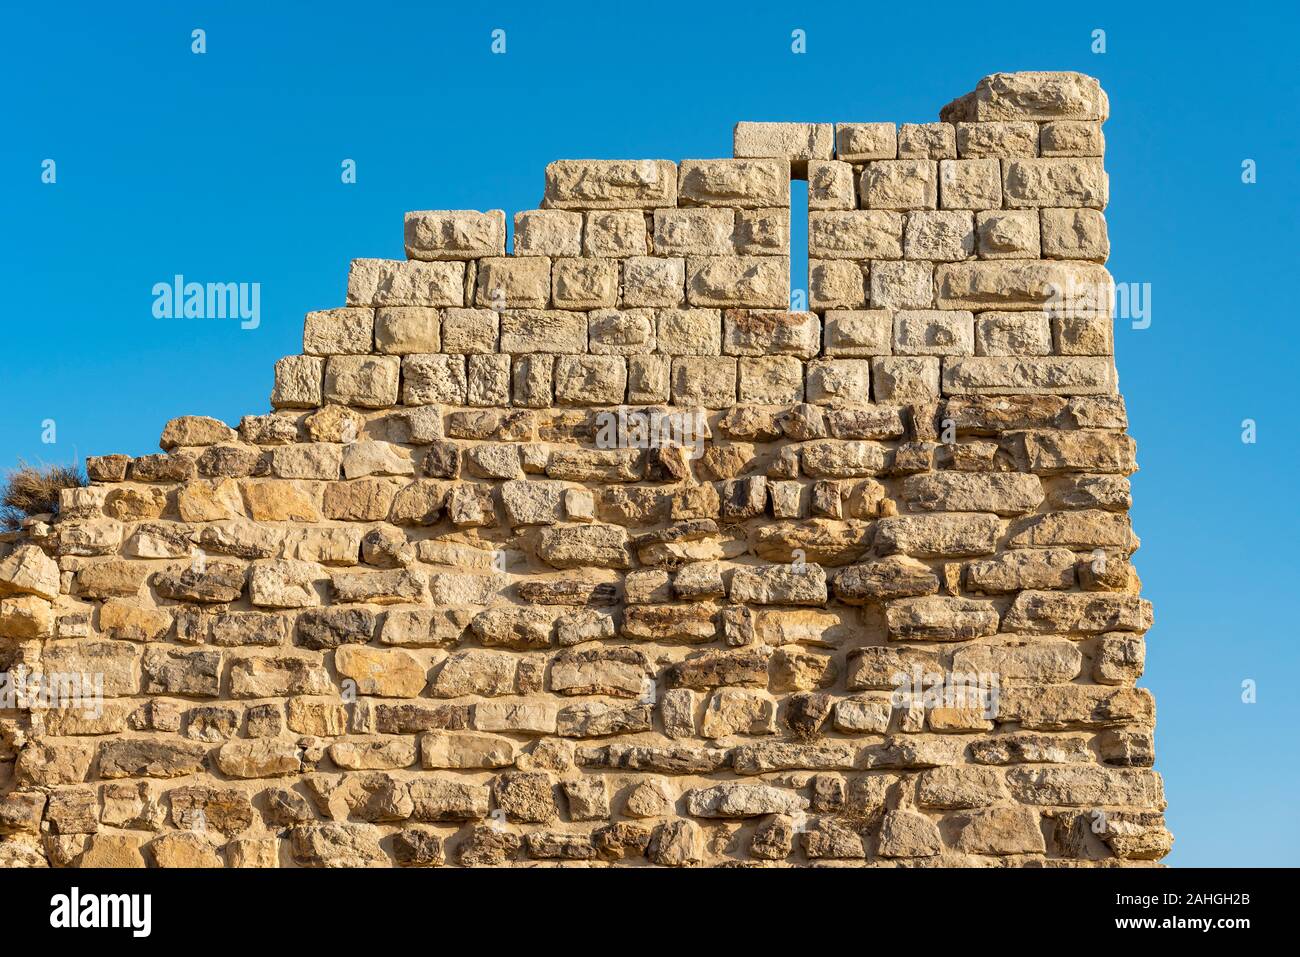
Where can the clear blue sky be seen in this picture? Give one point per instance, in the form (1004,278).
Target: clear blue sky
(226,167)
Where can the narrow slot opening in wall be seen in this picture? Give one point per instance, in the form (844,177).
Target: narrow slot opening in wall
(798,245)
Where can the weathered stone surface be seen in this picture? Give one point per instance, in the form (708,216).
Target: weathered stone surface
(748,574)
(940,618)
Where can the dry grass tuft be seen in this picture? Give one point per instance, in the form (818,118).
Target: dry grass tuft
(34,490)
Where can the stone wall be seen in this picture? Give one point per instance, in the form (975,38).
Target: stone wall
(591,552)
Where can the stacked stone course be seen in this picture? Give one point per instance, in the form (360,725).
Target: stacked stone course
(432,609)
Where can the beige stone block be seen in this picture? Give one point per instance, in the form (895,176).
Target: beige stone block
(970,184)
(735,183)
(1034,183)
(388,282)
(866,332)
(1083,335)
(466,331)
(762,232)
(332,332)
(487,380)
(653,281)
(1065,375)
(615,233)
(623,332)
(647,379)
(535,330)
(933,332)
(839,382)
(1013,334)
(1008,234)
(505,282)
(400,330)
(590,380)
(749,332)
(533,377)
(298,382)
(1035,95)
(756,281)
(1071,138)
(548,232)
(1075,234)
(584,283)
(428,379)
(898,378)
(899,184)
(369,382)
(836,284)
(855,234)
(934,141)
(771,380)
(830,185)
(997,140)
(706,381)
(610,184)
(939,235)
(689,332)
(455,234)
(1064,288)
(902,285)
(795,142)
(699,231)
(858,142)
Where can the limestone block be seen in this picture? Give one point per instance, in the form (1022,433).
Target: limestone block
(1075,234)
(1071,138)
(762,232)
(433,378)
(469,331)
(615,233)
(934,141)
(653,281)
(858,332)
(1012,375)
(753,281)
(836,284)
(998,140)
(527,330)
(1013,334)
(939,235)
(590,380)
(513,283)
(970,184)
(1032,183)
(934,332)
(584,283)
(855,234)
(698,231)
(1009,234)
(455,234)
(548,232)
(830,185)
(735,183)
(400,330)
(610,184)
(899,184)
(703,381)
(298,382)
(368,382)
(796,142)
(386,282)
